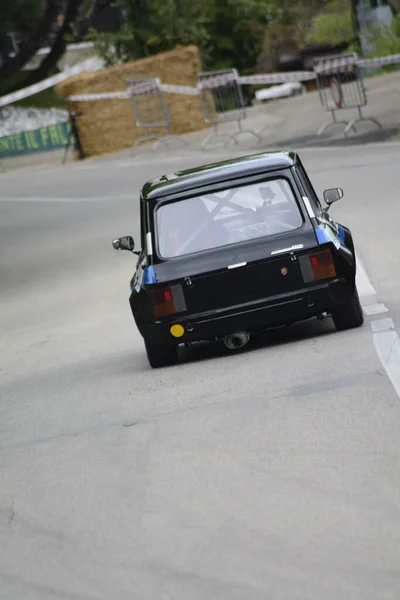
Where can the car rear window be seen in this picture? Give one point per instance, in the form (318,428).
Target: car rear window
(226,217)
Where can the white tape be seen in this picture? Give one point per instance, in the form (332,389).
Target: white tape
(276,77)
(216,81)
(100,96)
(179,89)
(134,89)
(382,60)
(91,64)
(341,64)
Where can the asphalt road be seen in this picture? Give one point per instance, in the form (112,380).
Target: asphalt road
(270,474)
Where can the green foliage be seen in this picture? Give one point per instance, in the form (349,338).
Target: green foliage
(288,22)
(236,32)
(114,47)
(384,40)
(228,33)
(331,27)
(176,22)
(87,8)
(153,27)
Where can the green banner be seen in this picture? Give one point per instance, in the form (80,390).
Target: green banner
(38,140)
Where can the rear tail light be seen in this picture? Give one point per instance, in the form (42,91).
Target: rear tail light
(322,265)
(318,266)
(163,303)
(168,301)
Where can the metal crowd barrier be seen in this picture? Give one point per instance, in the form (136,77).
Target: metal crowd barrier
(221,101)
(340,86)
(150,110)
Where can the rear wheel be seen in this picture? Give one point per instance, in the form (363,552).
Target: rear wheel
(161,356)
(348,315)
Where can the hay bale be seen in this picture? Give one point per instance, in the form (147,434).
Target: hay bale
(108,125)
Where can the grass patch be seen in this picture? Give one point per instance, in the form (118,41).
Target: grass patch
(45,99)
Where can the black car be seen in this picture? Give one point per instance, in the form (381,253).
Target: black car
(237,247)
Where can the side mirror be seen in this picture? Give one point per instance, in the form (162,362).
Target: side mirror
(333,195)
(124,243)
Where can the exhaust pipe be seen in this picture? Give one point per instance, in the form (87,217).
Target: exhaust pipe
(236,340)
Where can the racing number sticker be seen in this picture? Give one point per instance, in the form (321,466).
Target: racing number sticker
(336,92)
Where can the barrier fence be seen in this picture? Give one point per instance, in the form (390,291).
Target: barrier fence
(340,86)
(339,82)
(94,64)
(221,101)
(150,110)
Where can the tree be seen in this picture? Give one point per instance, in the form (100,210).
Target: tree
(395,6)
(153,26)
(21,16)
(236,32)
(335,25)
(59,46)
(288,22)
(57,49)
(227,32)
(385,40)
(31,27)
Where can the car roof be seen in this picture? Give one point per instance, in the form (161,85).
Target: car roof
(226,170)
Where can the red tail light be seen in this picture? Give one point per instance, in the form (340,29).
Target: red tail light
(322,265)
(163,303)
(167,301)
(167,295)
(317,266)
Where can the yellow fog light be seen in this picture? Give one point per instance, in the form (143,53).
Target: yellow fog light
(177,331)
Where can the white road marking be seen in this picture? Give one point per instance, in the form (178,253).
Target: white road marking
(387,345)
(384,335)
(382,325)
(374,309)
(364,286)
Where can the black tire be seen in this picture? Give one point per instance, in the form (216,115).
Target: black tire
(348,315)
(161,356)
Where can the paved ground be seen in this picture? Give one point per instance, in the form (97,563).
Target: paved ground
(273,473)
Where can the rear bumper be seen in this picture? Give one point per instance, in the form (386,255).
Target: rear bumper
(254,316)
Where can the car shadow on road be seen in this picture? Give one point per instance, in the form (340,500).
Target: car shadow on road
(298,332)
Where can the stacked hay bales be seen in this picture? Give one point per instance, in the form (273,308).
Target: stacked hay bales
(108,125)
